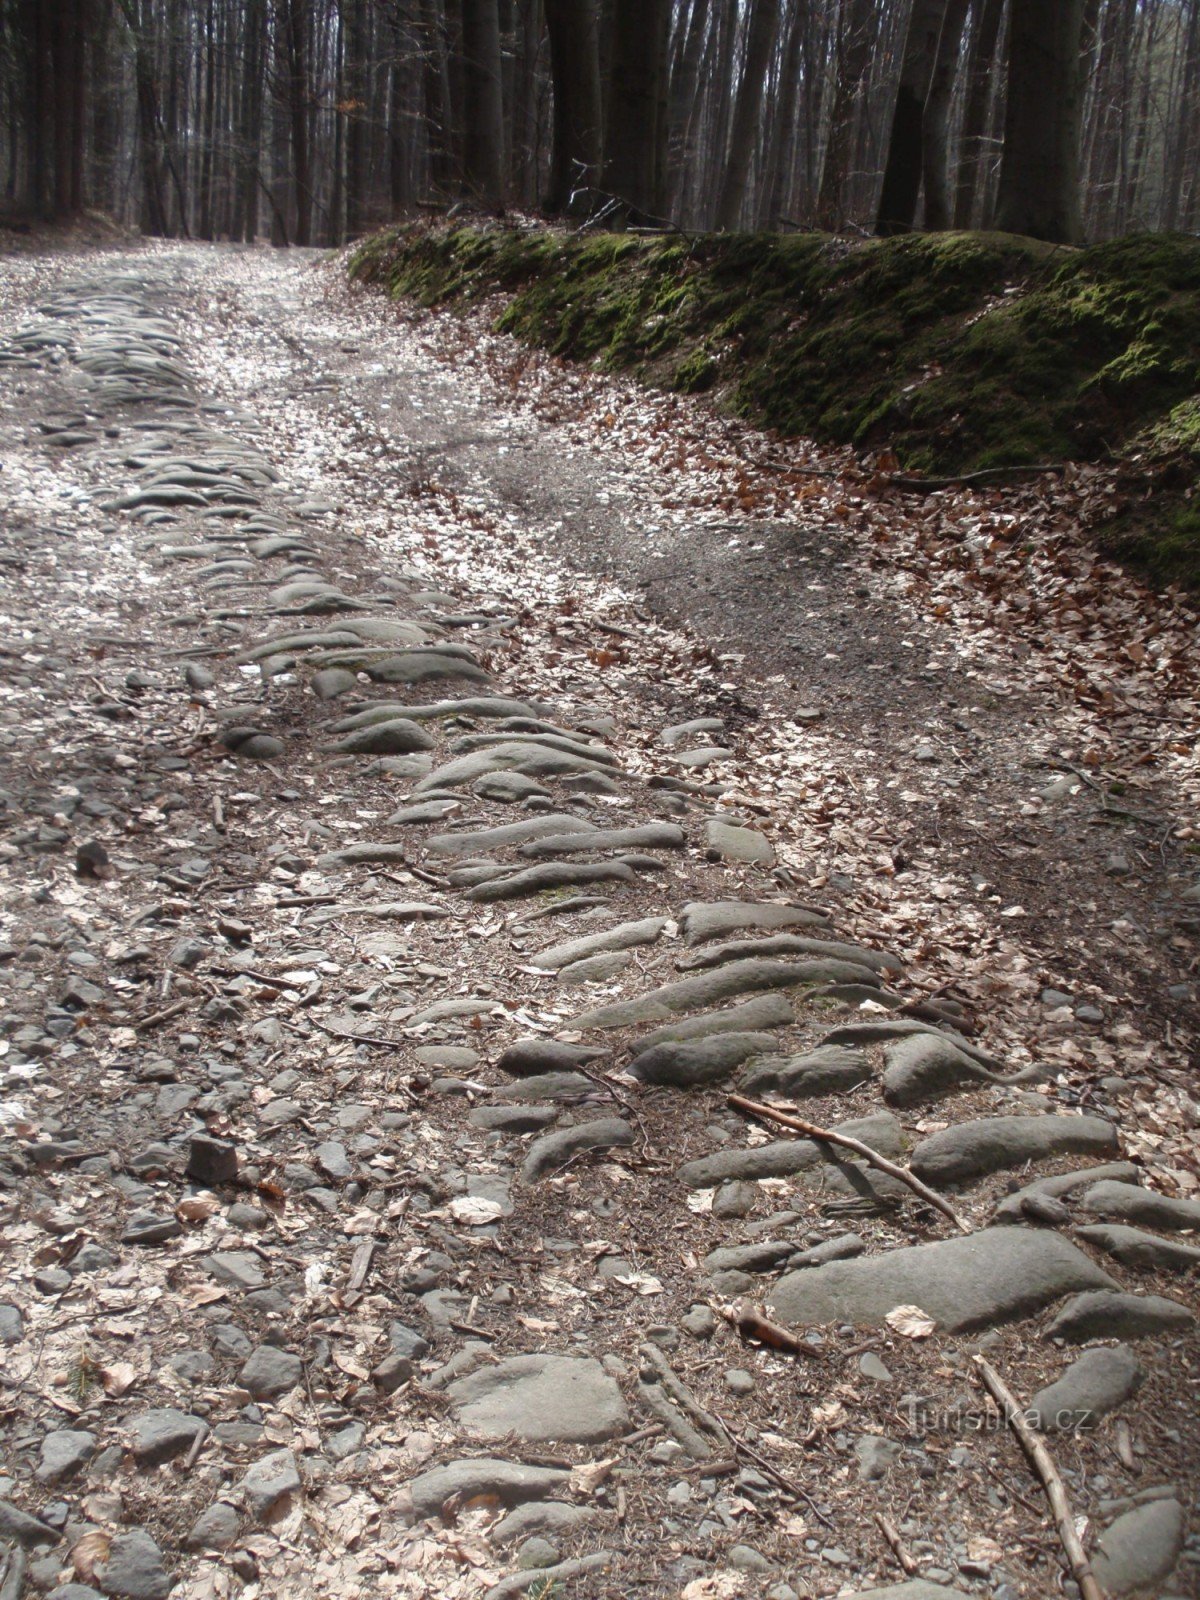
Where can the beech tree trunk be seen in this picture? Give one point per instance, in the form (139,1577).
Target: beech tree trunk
(635,156)
(935,120)
(902,173)
(853,59)
(575,69)
(483,104)
(984,35)
(1039,174)
(760,40)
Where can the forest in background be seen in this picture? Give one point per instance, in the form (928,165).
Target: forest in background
(313,121)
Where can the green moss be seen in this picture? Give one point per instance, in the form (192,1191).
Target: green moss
(957,350)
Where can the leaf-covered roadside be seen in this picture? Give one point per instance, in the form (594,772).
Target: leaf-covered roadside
(957,351)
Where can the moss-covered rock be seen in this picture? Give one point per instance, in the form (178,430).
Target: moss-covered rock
(959,351)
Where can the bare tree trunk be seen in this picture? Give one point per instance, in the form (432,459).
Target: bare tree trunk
(575,66)
(984,35)
(636,122)
(760,40)
(296,53)
(1181,141)
(853,58)
(902,174)
(1039,178)
(681,95)
(357,82)
(483,104)
(935,121)
(781,141)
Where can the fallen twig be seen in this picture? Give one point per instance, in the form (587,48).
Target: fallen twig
(781,1478)
(165,1015)
(899,1549)
(622,1099)
(811,1131)
(1043,1464)
(752,1322)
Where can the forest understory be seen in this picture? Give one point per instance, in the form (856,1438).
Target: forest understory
(437,774)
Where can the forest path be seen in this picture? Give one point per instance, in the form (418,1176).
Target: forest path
(360,841)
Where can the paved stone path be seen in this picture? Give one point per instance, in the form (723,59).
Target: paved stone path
(370,1194)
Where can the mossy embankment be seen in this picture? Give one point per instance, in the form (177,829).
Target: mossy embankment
(957,351)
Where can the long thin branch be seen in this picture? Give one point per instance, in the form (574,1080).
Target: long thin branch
(1043,1464)
(966,479)
(810,1130)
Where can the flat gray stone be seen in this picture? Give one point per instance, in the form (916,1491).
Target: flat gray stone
(993,1144)
(601,968)
(1126,1202)
(512,1484)
(563,1087)
(1061,1184)
(787,944)
(733,843)
(1099,1382)
(333,681)
(533,761)
(701,920)
(784,1157)
(509,788)
(1137,1553)
(829,1069)
(973,1281)
(648,836)
(761,1011)
(135,1568)
(482,841)
(214,1529)
(625,936)
(723,983)
(554,1150)
(12,1324)
(512,1119)
(268,1481)
(397,738)
(541,1397)
(1133,1247)
(163,1434)
(423,811)
(926,1067)
(882,1030)
(63,1453)
(540,1517)
(842,1247)
(1113,1315)
(688,1062)
(550,875)
(270,1372)
(235,1268)
(27,1531)
(436,710)
(528,1058)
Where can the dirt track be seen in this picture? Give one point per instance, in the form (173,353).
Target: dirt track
(907,761)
